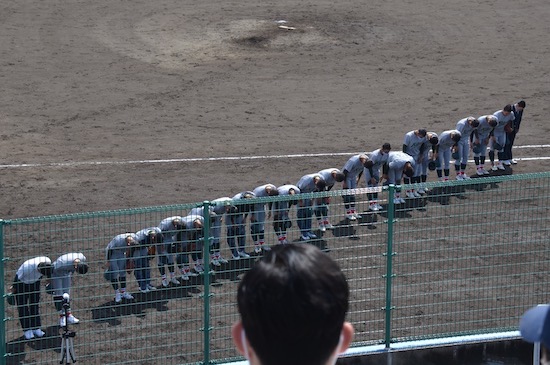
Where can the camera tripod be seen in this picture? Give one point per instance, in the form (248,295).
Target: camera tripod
(67,349)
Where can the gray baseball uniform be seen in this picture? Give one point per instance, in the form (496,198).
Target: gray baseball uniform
(115,253)
(281,219)
(465,129)
(257,217)
(396,164)
(498,132)
(444,148)
(63,268)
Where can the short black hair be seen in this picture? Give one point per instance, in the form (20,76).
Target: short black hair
(456,137)
(408,170)
(434,140)
(293,304)
(422,132)
(321,184)
(507,108)
(339,176)
(368,164)
(45,269)
(521,103)
(82,268)
(386,146)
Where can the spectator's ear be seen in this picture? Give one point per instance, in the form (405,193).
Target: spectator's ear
(236,332)
(346,338)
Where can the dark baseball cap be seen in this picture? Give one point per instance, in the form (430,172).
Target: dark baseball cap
(534,325)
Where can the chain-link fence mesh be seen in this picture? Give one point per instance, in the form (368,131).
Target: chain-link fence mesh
(468,257)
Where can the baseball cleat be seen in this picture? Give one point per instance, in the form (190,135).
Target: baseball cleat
(328,225)
(349,215)
(38,332)
(29,334)
(243,254)
(311,235)
(126,295)
(221,260)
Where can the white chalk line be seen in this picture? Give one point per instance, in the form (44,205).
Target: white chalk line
(212,159)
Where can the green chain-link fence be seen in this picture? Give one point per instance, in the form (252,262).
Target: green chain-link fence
(469,257)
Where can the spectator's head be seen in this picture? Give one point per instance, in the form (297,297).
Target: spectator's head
(534,326)
(293,305)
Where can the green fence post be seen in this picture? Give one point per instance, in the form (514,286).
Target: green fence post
(206,260)
(3,289)
(389,262)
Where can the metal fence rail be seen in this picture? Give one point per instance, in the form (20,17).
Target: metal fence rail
(468,258)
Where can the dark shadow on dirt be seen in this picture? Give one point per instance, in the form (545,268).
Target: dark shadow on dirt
(368,219)
(400,210)
(439,195)
(15,351)
(111,312)
(235,268)
(344,228)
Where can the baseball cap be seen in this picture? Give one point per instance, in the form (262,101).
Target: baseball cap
(534,325)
